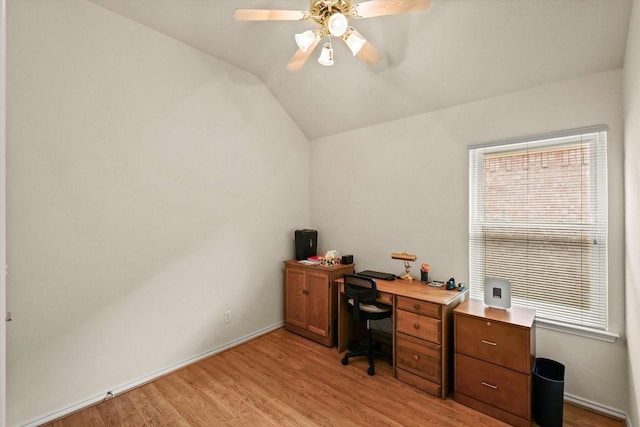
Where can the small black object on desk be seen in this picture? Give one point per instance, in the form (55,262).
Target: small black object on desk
(451,284)
(377,275)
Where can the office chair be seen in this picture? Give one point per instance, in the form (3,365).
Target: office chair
(362,294)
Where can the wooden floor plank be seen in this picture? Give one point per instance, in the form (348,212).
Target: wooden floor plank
(281,379)
(154,406)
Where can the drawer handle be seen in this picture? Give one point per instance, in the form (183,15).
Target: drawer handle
(416,357)
(495,387)
(416,326)
(488,342)
(416,306)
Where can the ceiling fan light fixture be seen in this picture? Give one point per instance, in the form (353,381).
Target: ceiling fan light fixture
(333,18)
(337,24)
(326,56)
(355,42)
(306,39)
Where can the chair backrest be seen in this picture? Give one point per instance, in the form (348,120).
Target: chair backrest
(361,289)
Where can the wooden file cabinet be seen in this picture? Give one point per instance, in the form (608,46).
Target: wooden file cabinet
(311,300)
(494,356)
(423,334)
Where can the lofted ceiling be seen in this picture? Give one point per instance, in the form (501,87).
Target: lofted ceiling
(457,51)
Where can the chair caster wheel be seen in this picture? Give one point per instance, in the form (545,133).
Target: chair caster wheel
(345,360)
(371,371)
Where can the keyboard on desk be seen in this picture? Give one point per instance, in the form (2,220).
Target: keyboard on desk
(377,275)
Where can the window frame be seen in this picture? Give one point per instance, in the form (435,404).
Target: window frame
(597,179)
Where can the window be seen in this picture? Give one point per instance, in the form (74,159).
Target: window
(538,217)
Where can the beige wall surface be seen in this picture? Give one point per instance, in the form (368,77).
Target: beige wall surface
(403,186)
(632,208)
(151,188)
(3,258)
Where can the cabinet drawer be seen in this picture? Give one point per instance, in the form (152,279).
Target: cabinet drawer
(419,357)
(418,326)
(419,382)
(494,342)
(494,385)
(420,307)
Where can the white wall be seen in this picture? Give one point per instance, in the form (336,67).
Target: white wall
(3,258)
(403,185)
(632,208)
(151,187)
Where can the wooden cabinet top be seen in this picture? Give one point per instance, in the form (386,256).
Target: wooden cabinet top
(295,264)
(518,316)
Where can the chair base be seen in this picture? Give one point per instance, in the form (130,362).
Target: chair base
(368,351)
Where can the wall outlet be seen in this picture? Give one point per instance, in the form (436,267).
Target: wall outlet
(227,316)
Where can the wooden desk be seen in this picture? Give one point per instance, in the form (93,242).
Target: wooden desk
(422,331)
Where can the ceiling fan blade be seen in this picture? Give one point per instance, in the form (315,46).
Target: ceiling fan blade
(369,54)
(372,8)
(270,15)
(300,57)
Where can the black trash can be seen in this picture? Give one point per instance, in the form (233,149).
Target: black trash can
(548,392)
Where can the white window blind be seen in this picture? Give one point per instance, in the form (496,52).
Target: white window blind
(538,217)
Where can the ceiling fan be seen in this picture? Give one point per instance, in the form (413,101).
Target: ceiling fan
(333,17)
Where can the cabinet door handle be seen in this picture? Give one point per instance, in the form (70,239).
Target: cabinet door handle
(416,357)
(495,387)
(416,326)
(416,306)
(488,342)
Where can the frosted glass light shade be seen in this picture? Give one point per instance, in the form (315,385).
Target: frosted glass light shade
(304,40)
(337,24)
(355,43)
(326,56)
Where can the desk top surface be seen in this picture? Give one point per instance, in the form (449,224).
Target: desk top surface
(417,289)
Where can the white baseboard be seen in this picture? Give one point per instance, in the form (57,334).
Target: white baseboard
(597,407)
(137,383)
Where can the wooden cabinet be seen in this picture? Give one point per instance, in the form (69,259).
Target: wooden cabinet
(310,300)
(494,356)
(423,344)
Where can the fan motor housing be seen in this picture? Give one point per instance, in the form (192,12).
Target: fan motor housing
(321,10)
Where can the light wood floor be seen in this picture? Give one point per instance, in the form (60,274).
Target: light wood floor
(281,379)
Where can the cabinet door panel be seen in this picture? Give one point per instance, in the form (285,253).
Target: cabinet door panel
(500,344)
(419,307)
(495,385)
(318,315)
(419,357)
(419,382)
(295,297)
(423,327)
